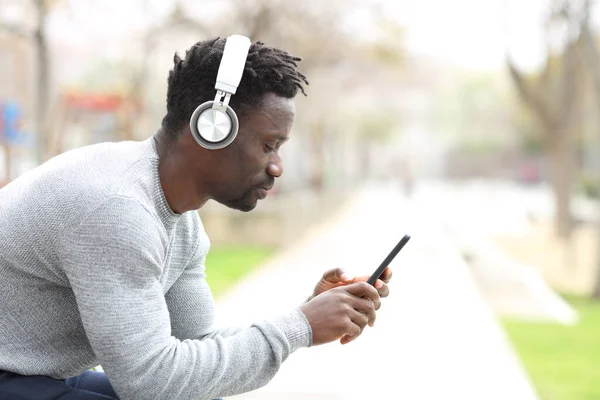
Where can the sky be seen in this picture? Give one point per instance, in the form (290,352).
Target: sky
(473,34)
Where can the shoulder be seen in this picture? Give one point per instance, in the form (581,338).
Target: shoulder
(120,217)
(119,232)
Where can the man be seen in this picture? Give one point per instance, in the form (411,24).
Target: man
(102,254)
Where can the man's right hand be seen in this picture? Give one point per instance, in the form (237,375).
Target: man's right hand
(342,312)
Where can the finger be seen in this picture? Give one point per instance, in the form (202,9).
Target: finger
(360,319)
(336,275)
(362,278)
(353,331)
(366,308)
(387,275)
(382,288)
(363,289)
(347,339)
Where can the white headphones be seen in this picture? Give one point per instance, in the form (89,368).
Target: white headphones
(214,124)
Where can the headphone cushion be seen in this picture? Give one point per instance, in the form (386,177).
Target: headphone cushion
(213,128)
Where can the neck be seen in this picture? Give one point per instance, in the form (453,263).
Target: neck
(176,177)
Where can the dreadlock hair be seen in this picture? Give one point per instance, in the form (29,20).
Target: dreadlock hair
(192,80)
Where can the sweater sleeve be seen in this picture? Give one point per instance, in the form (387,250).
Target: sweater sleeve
(113,260)
(190,304)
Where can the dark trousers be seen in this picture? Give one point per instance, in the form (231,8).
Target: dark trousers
(89,386)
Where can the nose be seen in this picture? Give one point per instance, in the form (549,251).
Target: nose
(275,168)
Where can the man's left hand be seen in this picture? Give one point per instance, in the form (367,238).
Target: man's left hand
(336,277)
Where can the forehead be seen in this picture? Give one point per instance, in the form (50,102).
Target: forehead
(275,115)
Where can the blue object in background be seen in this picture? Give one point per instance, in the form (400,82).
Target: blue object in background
(10,119)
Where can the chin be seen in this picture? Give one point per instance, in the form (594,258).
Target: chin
(243,207)
(244,204)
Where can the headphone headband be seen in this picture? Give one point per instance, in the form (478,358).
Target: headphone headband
(232,64)
(214,124)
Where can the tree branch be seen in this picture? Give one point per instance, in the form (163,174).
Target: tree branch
(569,84)
(15,30)
(527,94)
(178,18)
(590,52)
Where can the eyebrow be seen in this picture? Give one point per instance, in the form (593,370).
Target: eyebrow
(280,138)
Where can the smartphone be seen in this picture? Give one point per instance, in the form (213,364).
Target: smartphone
(388,260)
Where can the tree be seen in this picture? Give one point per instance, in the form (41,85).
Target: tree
(554,97)
(38,38)
(591,55)
(43,72)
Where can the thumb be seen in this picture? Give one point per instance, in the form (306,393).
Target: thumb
(336,275)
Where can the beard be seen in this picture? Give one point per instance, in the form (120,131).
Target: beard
(245,203)
(248,200)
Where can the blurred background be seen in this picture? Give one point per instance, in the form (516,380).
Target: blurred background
(488,107)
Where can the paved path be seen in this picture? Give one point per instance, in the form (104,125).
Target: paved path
(435,338)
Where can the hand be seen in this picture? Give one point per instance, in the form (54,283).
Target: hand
(341,312)
(336,278)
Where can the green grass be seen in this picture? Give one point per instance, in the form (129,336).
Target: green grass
(562,361)
(226,265)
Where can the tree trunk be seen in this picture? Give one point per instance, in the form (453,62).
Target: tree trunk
(317,138)
(596,291)
(7,164)
(562,164)
(41,128)
(365,162)
(592,58)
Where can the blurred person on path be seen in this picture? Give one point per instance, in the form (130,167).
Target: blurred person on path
(404,175)
(102,251)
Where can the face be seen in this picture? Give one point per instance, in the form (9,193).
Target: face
(247,168)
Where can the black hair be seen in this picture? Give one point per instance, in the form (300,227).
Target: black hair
(191,82)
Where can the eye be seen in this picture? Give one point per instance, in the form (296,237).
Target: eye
(269,148)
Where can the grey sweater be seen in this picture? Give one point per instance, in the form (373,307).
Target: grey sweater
(95,268)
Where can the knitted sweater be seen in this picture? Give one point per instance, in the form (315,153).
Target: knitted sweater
(95,268)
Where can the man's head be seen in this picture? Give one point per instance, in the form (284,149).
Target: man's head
(235,175)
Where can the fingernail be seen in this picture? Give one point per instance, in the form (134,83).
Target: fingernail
(345,277)
(378,284)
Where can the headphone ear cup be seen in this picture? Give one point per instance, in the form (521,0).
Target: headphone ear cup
(212,128)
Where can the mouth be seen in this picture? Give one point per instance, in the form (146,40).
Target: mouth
(263,191)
